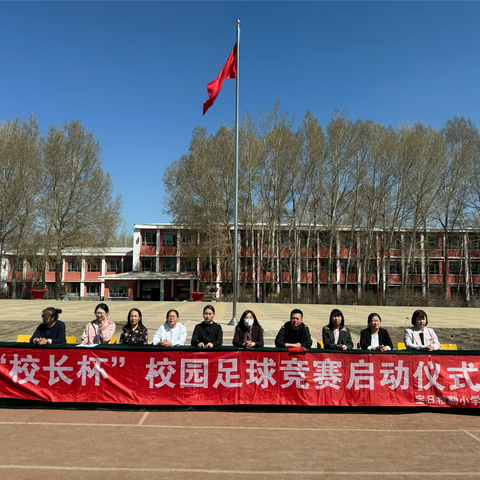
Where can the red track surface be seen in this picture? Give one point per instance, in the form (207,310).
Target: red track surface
(54,444)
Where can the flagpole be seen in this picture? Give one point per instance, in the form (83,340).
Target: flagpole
(234,320)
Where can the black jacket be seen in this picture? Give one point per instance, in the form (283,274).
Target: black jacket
(207,333)
(328,338)
(383,338)
(288,335)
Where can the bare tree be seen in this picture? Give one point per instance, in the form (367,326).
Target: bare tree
(77,208)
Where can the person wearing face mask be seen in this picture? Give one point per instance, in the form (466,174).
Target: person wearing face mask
(419,337)
(248,332)
(207,334)
(375,337)
(172,333)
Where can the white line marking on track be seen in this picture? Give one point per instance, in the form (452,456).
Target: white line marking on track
(210,427)
(233,472)
(472,435)
(144,416)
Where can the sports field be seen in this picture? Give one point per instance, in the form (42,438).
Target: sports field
(104,444)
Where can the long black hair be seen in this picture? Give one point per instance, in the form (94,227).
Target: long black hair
(128,326)
(241,323)
(335,313)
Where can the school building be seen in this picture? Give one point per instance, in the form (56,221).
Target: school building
(157,267)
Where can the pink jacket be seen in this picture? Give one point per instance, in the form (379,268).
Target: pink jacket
(94,334)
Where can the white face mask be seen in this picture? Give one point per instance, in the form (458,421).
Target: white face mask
(248,322)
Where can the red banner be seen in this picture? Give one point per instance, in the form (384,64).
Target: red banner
(166,377)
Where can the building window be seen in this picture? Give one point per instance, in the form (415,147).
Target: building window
(127,264)
(52,266)
(474,243)
(432,242)
(113,265)
(324,265)
(325,239)
(417,268)
(352,267)
(396,243)
(434,268)
(149,239)
(188,237)
(118,290)
(246,240)
(303,238)
(93,265)
(455,267)
(148,264)
(248,265)
(284,265)
(74,265)
(395,268)
(169,264)
(73,288)
(475,268)
(169,239)
(348,241)
(288,239)
(307,265)
(372,266)
(188,265)
(92,289)
(453,243)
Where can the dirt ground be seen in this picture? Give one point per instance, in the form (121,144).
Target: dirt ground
(53,444)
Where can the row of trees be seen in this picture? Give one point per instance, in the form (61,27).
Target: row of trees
(357,176)
(54,195)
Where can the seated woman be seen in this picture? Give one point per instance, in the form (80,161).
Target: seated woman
(52,330)
(171,333)
(419,337)
(248,332)
(101,329)
(134,331)
(375,337)
(335,335)
(207,334)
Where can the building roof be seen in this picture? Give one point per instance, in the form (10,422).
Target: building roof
(149,276)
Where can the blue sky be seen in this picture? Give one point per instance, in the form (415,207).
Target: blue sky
(135,73)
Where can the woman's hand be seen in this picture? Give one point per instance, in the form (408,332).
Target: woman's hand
(41,341)
(165,343)
(429,348)
(249,344)
(201,345)
(209,345)
(342,347)
(382,348)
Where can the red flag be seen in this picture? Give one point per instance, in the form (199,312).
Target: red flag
(229,70)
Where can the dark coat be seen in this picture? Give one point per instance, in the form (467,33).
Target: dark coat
(207,333)
(288,335)
(56,333)
(344,338)
(383,338)
(257,336)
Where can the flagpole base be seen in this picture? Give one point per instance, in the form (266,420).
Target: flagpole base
(233,322)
